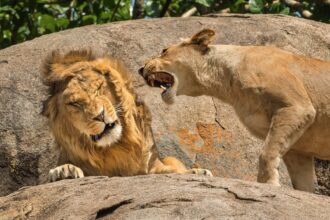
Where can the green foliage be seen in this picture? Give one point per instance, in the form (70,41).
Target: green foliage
(22,20)
(206,3)
(26,19)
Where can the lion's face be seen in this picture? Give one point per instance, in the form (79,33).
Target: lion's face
(175,69)
(90,106)
(86,99)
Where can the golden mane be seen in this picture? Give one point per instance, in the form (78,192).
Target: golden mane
(58,70)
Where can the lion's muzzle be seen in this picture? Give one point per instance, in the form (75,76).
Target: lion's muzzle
(108,127)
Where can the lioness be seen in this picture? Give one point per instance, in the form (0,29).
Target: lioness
(99,124)
(280,97)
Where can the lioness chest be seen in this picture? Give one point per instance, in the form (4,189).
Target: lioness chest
(253,114)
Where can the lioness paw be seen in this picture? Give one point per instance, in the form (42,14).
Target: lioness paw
(64,172)
(199,171)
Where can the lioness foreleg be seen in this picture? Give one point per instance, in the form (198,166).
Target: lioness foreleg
(301,170)
(173,165)
(287,126)
(64,172)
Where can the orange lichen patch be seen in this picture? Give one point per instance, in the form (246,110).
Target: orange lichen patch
(172,128)
(212,147)
(187,138)
(212,136)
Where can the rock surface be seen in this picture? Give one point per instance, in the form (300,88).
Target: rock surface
(161,197)
(197,130)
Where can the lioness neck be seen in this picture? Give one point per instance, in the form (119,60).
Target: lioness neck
(218,74)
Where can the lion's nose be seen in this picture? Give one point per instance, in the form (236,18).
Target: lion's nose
(100,117)
(141,71)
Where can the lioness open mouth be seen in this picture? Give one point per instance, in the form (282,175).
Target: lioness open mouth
(162,80)
(106,130)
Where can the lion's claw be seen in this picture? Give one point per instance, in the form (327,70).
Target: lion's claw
(203,172)
(64,172)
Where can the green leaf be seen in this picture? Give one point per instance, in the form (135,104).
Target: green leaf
(89,19)
(105,15)
(285,11)
(2,16)
(259,3)
(41,30)
(275,7)
(237,7)
(62,23)
(47,22)
(256,6)
(206,3)
(306,4)
(82,6)
(57,9)
(239,2)
(7,34)
(7,8)
(24,30)
(44,1)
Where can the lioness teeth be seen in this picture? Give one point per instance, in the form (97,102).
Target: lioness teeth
(163,87)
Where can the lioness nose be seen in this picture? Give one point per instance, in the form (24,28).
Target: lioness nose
(141,71)
(100,117)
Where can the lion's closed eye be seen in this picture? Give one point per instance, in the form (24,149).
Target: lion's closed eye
(98,90)
(75,104)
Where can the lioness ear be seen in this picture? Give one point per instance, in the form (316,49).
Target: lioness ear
(203,38)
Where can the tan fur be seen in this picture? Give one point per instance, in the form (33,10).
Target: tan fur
(88,93)
(282,98)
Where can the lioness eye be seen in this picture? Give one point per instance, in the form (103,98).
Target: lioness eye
(75,104)
(164,50)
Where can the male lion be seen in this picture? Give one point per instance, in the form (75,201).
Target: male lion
(99,124)
(280,97)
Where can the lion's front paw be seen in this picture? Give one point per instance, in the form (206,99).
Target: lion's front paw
(273,182)
(200,171)
(65,171)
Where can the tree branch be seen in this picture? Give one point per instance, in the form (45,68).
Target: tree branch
(115,10)
(189,13)
(138,11)
(165,7)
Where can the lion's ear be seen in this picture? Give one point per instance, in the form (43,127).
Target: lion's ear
(53,69)
(203,38)
(56,66)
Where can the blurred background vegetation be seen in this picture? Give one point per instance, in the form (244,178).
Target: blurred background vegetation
(22,20)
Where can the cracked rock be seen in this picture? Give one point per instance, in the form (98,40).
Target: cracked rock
(172,196)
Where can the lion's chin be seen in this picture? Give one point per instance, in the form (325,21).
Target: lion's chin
(110,138)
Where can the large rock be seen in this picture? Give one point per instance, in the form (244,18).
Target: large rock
(161,197)
(200,131)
